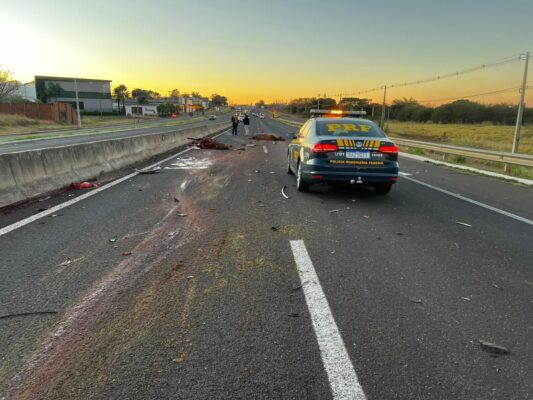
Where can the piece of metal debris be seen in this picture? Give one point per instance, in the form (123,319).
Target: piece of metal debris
(493,348)
(462,223)
(466,298)
(334,211)
(113,239)
(127,253)
(283,192)
(181,215)
(190,276)
(416,300)
(27,314)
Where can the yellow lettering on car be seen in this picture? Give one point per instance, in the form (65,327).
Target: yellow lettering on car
(350,127)
(364,128)
(295,155)
(333,127)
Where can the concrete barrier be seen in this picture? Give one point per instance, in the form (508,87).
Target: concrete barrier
(29,174)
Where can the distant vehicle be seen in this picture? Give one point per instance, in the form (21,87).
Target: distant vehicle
(212,117)
(261,116)
(333,146)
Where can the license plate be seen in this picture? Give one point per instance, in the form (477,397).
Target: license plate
(358,154)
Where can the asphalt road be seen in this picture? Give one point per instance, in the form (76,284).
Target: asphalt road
(100,134)
(212,303)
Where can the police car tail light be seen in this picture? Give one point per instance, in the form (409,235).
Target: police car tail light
(388,149)
(324,148)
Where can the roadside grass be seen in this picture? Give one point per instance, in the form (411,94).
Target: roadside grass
(481,136)
(10,123)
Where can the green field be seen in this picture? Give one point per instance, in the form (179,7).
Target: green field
(491,137)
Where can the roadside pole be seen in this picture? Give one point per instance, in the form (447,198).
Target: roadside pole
(521,106)
(77,102)
(382,123)
(318,101)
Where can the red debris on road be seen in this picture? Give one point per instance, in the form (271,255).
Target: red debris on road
(268,136)
(208,143)
(83,185)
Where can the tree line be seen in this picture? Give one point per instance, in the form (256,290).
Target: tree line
(408,109)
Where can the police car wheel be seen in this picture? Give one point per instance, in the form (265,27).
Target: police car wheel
(383,188)
(289,170)
(301,185)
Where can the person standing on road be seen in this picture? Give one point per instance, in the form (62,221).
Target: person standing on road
(234,124)
(246,122)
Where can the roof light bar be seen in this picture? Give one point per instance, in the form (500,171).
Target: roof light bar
(316,113)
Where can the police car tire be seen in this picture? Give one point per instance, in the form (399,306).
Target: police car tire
(289,170)
(383,188)
(301,185)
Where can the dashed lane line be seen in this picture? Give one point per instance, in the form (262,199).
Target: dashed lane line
(265,149)
(75,200)
(341,374)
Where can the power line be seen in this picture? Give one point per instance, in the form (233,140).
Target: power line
(497,63)
(471,95)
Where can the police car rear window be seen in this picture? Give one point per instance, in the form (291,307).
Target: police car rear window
(347,127)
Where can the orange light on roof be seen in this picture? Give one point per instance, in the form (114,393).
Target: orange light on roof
(336,111)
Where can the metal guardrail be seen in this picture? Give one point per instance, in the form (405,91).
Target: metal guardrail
(524,160)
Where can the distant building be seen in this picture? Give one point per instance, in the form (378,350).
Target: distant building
(27,91)
(93,94)
(134,109)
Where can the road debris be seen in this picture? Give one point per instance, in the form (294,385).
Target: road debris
(181,215)
(154,170)
(189,163)
(251,145)
(190,276)
(456,244)
(283,192)
(45,198)
(493,348)
(294,315)
(272,172)
(466,298)
(274,228)
(23,314)
(176,200)
(416,300)
(334,211)
(113,239)
(268,136)
(497,286)
(127,253)
(294,289)
(208,143)
(172,234)
(257,171)
(83,185)
(366,216)
(240,148)
(462,223)
(67,261)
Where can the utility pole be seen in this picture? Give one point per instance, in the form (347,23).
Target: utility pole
(521,106)
(77,102)
(319,101)
(382,124)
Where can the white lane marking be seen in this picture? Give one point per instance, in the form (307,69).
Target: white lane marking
(341,374)
(265,149)
(75,200)
(469,200)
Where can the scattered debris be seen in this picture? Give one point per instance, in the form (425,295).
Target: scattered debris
(257,171)
(27,313)
(456,245)
(44,199)
(283,192)
(55,215)
(497,286)
(353,200)
(466,298)
(172,233)
(190,276)
(176,200)
(462,223)
(70,195)
(240,148)
(492,348)
(181,215)
(83,185)
(189,163)
(294,289)
(294,315)
(366,216)
(334,211)
(268,136)
(208,143)
(154,170)
(115,247)
(272,172)
(127,253)
(113,239)
(251,145)
(67,261)
(43,209)
(274,228)
(416,300)
(399,233)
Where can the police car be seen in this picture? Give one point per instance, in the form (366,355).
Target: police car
(336,146)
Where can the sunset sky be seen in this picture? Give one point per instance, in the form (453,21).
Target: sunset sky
(272,49)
